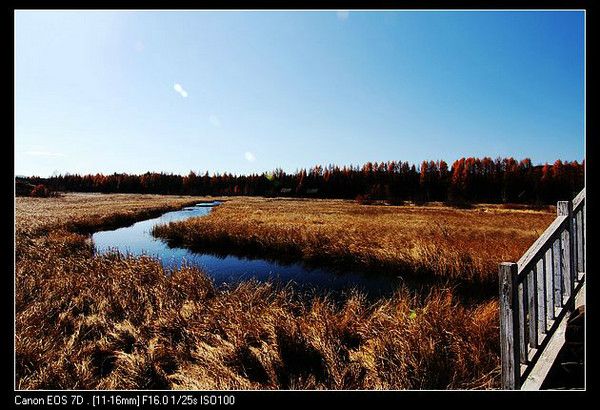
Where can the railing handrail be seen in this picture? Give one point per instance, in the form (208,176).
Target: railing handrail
(531,254)
(579,200)
(537,292)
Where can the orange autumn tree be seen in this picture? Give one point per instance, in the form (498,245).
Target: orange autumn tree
(468,179)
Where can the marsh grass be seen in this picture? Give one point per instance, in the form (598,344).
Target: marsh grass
(114,322)
(85,213)
(87,321)
(457,244)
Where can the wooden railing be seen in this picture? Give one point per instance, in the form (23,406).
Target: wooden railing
(537,292)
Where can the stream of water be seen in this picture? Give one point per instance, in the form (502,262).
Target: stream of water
(137,239)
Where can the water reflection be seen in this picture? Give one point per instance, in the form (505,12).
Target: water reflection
(138,240)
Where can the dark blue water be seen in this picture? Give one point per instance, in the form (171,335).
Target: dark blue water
(138,240)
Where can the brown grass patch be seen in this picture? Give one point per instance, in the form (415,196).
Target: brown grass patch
(120,323)
(89,212)
(437,240)
(114,322)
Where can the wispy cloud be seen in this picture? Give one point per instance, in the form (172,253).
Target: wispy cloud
(179,89)
(343,14)
(214,120)
(249,156)
(43,153)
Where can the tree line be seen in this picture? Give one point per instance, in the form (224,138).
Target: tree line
(503,180)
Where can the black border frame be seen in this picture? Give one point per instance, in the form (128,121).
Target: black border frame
(300,398)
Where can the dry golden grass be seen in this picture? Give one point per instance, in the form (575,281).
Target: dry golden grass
(90,211)
(438,240)
(114,322)
(111,322)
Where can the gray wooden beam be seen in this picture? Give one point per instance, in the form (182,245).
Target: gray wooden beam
(509,325)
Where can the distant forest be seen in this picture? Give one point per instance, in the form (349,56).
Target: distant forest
(467,180)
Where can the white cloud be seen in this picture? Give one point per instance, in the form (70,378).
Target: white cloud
(249,156)
(179,89)
(47,154)
(343,14)
(214,120)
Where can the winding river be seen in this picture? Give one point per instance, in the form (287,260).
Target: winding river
(137,239)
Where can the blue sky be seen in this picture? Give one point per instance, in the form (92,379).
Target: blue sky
(242,92)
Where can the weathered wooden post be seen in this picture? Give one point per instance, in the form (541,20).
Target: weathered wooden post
(557,269)
(549,261)
(565,208)
(580,248)
(509,325)
(532,307)
(583,226)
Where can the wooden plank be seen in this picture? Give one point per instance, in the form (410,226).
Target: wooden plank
(575,239)
(579,200)
(544,362)
(531,255)
(537,293)
(557,274)
(583,220)
(571,248)
(580,250)
(540,370)
(521,307)
(548,260)
(509,325)
(580,296)
(541,297)
(565,266)
(532,309)
(565,208)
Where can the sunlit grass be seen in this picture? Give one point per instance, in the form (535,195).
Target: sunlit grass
(114,322)
(435,240)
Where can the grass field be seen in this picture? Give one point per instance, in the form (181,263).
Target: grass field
(114,322)
(436,240)
(89,212)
